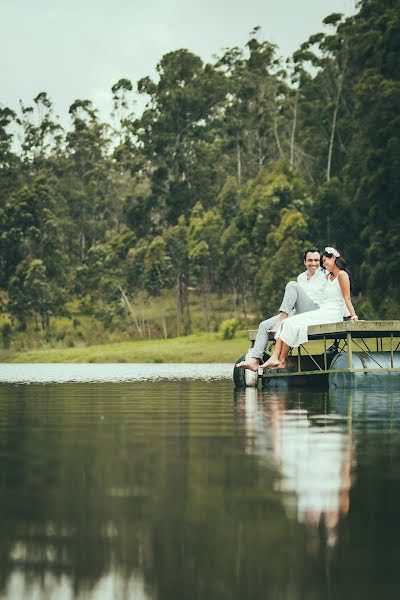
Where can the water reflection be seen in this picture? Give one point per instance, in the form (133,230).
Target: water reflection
(313,450)
(111,585)
(185,490)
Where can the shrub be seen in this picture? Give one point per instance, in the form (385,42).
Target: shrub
(228,329)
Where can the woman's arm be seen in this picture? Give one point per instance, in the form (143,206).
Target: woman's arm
(344,282)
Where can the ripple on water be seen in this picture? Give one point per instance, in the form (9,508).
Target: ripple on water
(115,373)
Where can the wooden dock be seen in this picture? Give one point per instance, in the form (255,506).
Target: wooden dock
(352,352)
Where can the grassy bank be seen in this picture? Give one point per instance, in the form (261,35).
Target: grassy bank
(199,348)
(112,329)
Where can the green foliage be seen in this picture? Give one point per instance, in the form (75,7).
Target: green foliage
(204,235)
(31,294)
(214,190)
(372,174)
(280,262)
(157,267)
(331,219)
(228,329)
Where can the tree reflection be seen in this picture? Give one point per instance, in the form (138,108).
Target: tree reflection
(140,486)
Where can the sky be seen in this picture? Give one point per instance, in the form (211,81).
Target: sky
(79,48)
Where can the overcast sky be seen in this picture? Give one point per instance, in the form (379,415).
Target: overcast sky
(79,48)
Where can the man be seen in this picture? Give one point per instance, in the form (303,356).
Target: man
(299,297)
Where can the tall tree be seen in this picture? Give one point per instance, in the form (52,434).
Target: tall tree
(9,161)
(251,114)
(325,97)
(372,169)
(88,191)
(41,134)
(172,132)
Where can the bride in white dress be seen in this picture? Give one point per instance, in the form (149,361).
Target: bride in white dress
(293,331)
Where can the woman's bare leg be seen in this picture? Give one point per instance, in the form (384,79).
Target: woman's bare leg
(273,360)
(278,357)
(283,354)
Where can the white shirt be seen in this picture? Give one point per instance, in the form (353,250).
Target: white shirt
(315,286)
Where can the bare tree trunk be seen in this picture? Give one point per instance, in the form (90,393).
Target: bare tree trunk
(334,121)
(163,322)
(184,325)
(210,308)
(261,154)
(239,162)
(205,287)
(186,305)
(82,244)
(275,122)
(41,238)
(235,299)
(179,308)
(331,141)
(82,241)
(276,135)
(205,312)
(292,137)
(245,307)
(130,311)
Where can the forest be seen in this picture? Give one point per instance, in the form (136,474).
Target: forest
(213,190)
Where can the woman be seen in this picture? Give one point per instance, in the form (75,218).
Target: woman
(293,331)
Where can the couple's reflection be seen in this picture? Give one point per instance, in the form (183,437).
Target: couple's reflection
(313,451)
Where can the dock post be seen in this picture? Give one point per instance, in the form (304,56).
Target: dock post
(349,351)
(391,351)
(325,361)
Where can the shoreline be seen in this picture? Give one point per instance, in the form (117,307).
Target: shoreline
(196,348)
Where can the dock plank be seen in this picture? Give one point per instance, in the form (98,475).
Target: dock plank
(339,330)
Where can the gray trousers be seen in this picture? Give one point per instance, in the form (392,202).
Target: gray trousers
(295,300)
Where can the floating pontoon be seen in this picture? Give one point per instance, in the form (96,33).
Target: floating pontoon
(345,354)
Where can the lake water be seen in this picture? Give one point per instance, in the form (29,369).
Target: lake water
(162,482)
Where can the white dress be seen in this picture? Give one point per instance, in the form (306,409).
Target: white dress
(293,330)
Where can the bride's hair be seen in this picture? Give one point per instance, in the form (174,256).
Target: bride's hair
(339,260)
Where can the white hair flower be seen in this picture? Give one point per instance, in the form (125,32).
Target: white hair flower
(332,251)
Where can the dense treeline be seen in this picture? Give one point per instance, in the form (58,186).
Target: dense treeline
(229,172)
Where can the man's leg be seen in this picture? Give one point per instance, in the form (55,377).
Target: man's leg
(304,302)
(289,298)
(295,298)
(261,340)
(260,344)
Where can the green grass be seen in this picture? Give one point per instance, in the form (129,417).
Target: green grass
(199,348)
